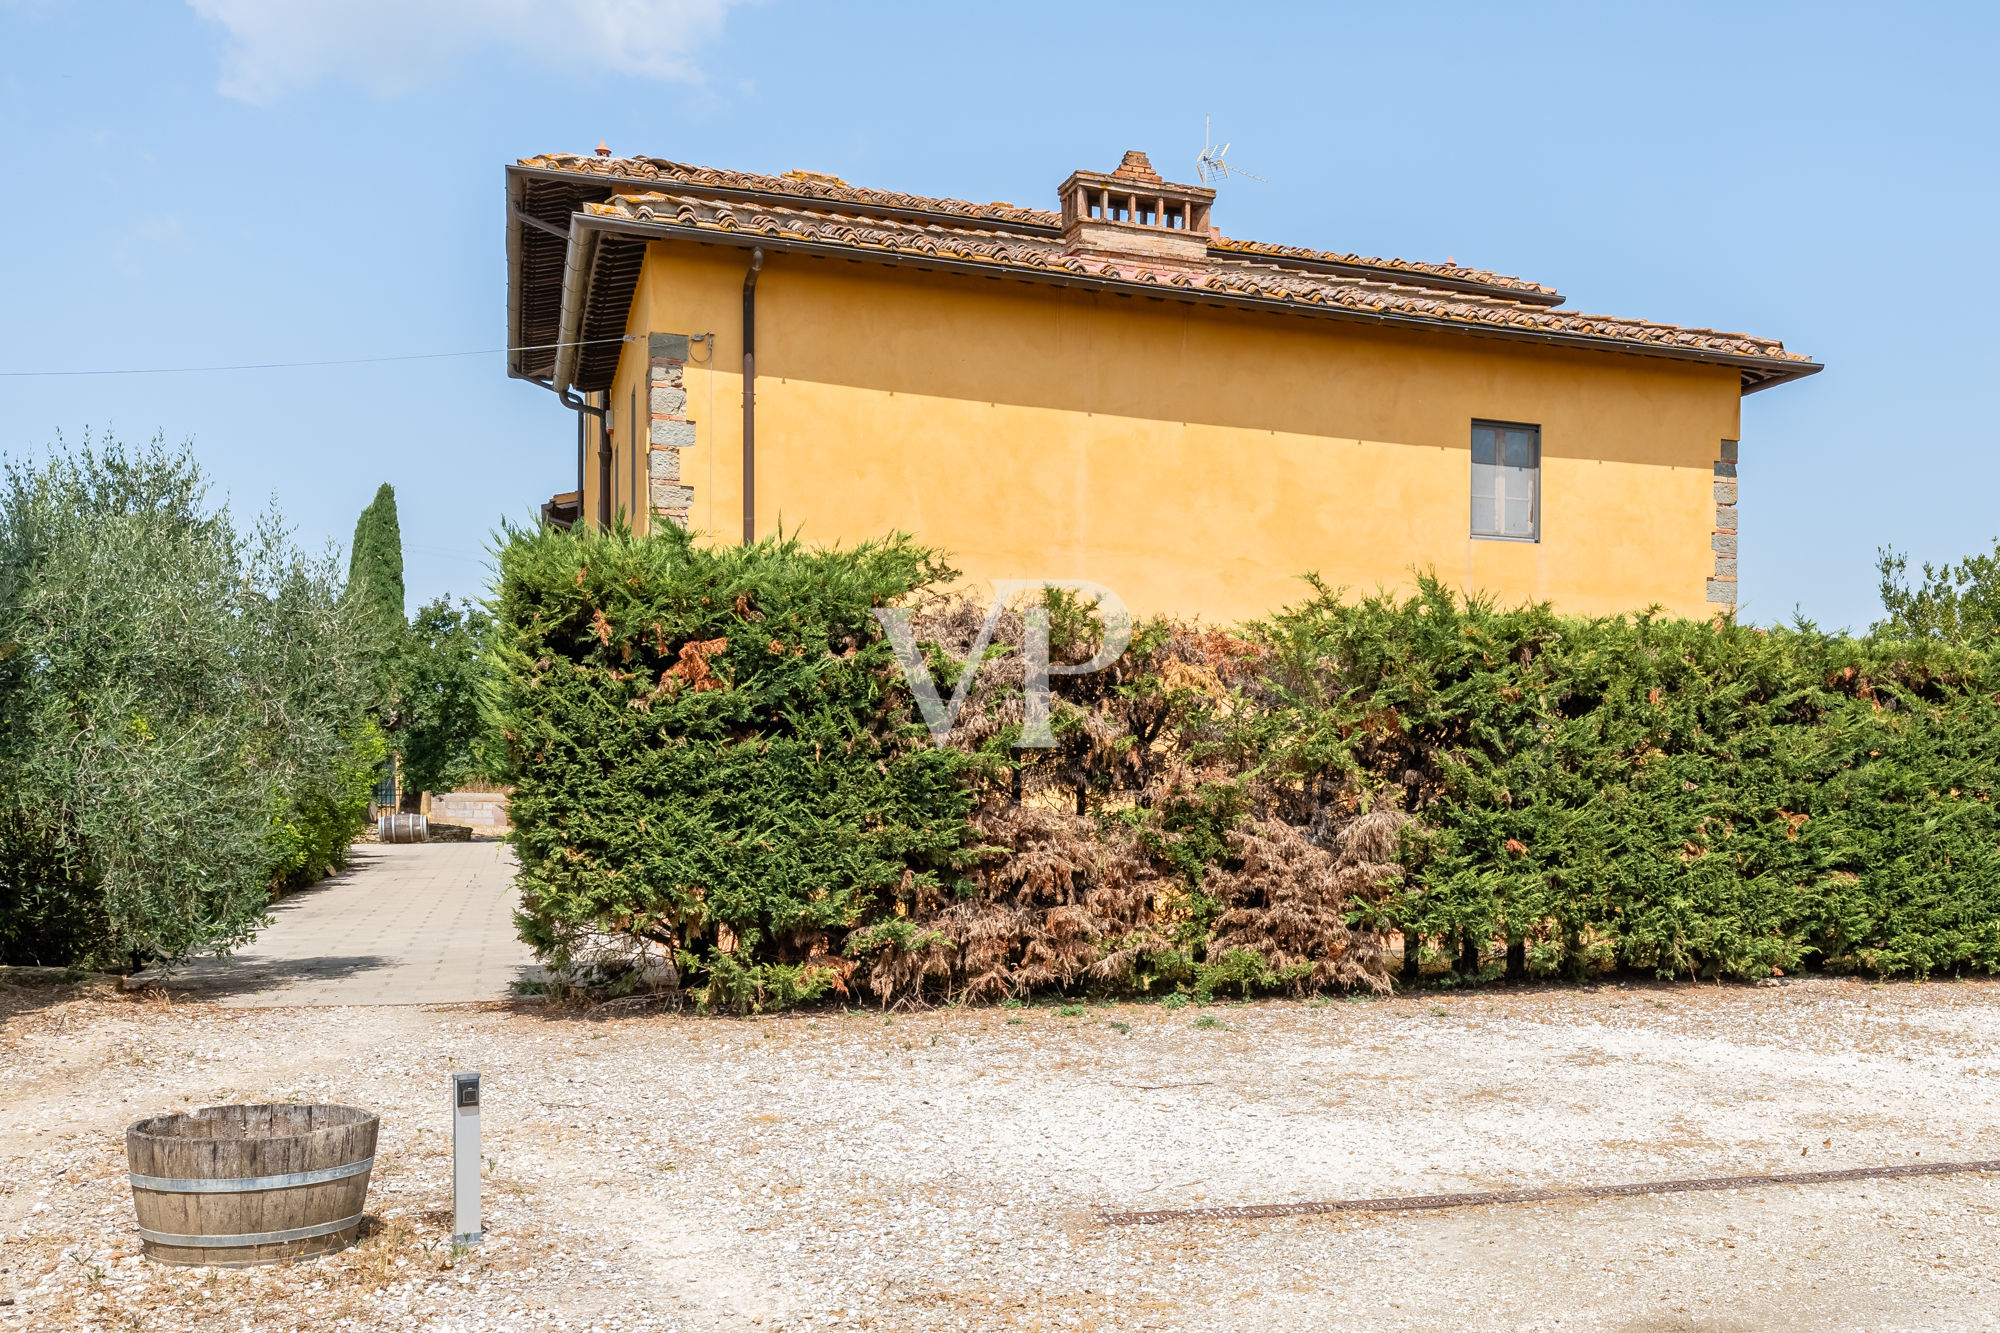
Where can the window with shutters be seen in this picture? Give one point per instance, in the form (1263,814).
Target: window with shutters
(1506,481)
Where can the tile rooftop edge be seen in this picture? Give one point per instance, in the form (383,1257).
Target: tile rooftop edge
(1233,277)
(811,185)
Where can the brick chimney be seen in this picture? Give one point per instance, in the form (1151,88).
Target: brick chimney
(1132,212)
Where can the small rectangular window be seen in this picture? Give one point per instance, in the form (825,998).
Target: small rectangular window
(1506,481)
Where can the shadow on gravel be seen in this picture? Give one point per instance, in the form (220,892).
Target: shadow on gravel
(216,978)
(27,990)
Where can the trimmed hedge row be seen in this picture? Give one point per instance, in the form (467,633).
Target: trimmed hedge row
(1687,797)
(710,754)
(720,781)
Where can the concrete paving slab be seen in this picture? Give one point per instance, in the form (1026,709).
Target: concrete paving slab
(422,923)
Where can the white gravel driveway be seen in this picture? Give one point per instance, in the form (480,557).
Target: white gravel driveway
(946,1170)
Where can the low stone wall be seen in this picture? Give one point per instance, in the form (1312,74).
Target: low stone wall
(476,809)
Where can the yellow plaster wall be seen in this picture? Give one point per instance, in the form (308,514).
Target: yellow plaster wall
(1195,460)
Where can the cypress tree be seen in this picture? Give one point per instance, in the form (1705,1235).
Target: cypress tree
(375,562)
(375,588)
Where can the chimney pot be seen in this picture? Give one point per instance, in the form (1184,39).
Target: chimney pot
(1131,211)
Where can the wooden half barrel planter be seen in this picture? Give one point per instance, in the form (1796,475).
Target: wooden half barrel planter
(233,1186)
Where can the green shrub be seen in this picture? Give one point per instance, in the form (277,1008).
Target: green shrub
(1686,797)
(181,713)
(439,671)
(712,757)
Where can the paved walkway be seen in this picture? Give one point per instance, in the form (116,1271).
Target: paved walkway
(423,923)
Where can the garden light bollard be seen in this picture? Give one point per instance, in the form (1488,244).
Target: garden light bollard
(465,1228)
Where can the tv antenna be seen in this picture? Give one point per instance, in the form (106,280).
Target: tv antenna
(1209,165)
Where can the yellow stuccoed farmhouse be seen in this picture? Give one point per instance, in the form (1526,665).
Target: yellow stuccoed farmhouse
(1115,391)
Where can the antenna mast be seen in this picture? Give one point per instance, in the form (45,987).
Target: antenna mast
(1209,165)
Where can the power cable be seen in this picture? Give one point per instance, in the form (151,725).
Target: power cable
(299,365)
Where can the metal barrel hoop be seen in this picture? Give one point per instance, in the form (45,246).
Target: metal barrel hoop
(248,1184)
(251,1238)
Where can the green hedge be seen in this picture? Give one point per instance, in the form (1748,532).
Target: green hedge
(719,780)
(1686,797)
(710,753)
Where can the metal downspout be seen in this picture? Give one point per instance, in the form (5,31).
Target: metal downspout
(750,395)
(603,474)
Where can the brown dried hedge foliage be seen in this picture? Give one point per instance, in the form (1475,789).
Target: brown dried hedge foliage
(1137,855)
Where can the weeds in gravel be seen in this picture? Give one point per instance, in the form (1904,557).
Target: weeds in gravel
(1070,1011)
(86,1259)
(1120,1028)
(1209,1021)
(1172,1002)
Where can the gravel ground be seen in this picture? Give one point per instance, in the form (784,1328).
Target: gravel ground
(947,1169)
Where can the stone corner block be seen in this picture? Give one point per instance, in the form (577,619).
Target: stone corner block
(1729,451)
(668,495)
(669,400)
(664,465)
(673,434)
(1724,543)
(1725,492)
(667,346)
(1725,518)
(1722,591)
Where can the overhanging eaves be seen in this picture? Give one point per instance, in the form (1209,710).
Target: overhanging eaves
(602,299)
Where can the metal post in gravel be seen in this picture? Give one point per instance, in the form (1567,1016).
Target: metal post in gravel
(465,1228)
(1413,960)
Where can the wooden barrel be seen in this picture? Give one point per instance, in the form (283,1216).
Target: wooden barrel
(403,828)
(233,1186)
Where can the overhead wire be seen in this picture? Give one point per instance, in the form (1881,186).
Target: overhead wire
(300,365)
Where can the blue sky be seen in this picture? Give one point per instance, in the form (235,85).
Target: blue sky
(235,181)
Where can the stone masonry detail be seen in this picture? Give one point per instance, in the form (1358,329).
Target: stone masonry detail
(1722,587)
(669,430)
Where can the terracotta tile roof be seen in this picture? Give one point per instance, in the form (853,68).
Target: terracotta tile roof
(803,184)
(811,211)
(814,185)
(1226,277)
(1520,287)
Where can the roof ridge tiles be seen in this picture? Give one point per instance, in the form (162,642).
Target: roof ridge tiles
(816,185)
